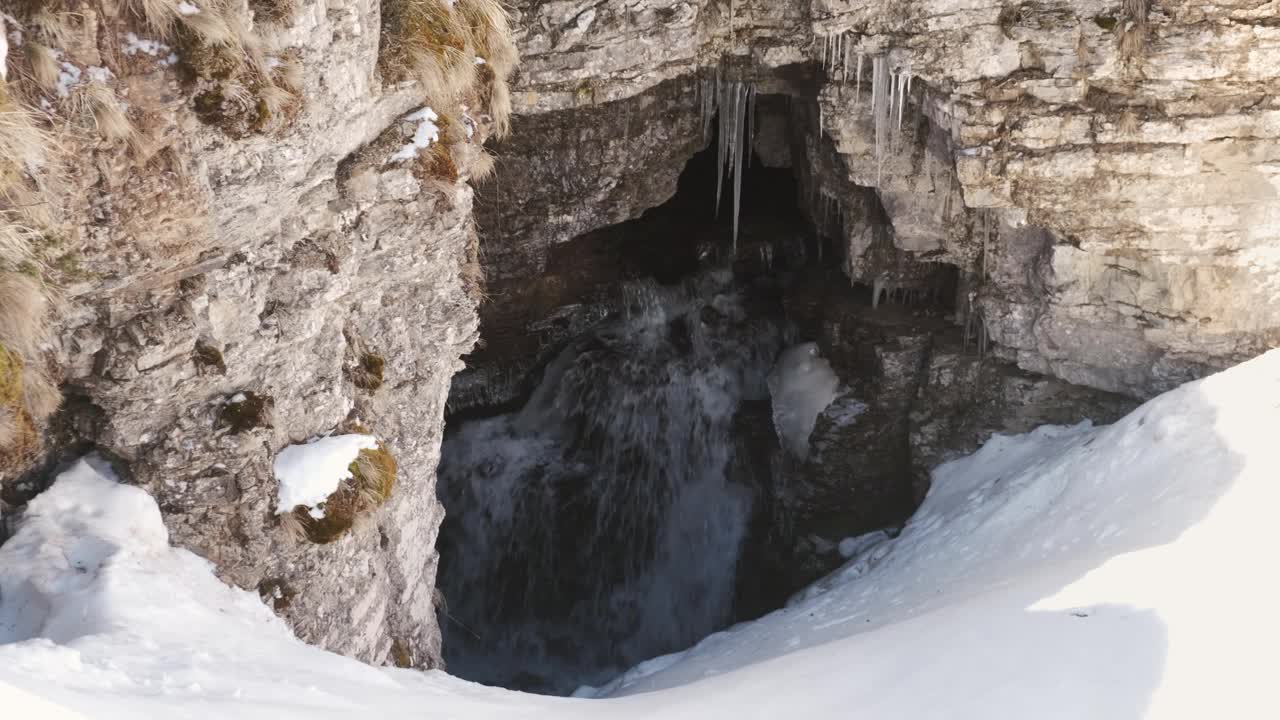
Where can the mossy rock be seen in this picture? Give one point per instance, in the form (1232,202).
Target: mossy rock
(437,162)
(1106,22)
(10,378)
(18,436)
(368,373)
(273,10)
(209,358)
(276,592)
(373,477)
(401,654)
(250,411)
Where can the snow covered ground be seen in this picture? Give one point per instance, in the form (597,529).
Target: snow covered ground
(1121,572)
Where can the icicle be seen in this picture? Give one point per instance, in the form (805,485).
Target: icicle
(881,108)
(738,166)
(839,51)
(721,145)
(826,43)
(902,95)
(858,99)
(751,124)
(844,65)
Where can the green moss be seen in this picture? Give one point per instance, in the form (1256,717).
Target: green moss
(367,375)
(276,592)
(262,121)
(273,10)
(69,267)
(208,105)
(10,378)
(198,59)
(373,477)
(437,162)
(1106,22)
(249,412)
(23,440)
(401,654)
(586,92)
(209,357)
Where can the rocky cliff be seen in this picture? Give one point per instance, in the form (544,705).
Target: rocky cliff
(269,245)
(1102,173)
(232,225)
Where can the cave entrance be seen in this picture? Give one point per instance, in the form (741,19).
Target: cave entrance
(627,503)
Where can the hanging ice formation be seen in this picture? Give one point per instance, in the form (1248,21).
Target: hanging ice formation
(734,101)
(889,90)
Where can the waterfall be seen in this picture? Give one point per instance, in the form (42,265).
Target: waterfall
(600,526)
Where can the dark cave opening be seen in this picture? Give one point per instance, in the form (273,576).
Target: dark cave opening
(632,499)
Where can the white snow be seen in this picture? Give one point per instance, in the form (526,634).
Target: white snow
(802,385)
(426,133)
(853,546)
(1078,573)
(4,51)
(99,74)
(310,473)
(134,45)
(68,77)
(187,9)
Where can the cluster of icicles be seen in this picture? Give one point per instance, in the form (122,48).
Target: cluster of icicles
(735,103)
(889,89)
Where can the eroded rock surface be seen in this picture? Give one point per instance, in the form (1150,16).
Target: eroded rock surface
(240,294)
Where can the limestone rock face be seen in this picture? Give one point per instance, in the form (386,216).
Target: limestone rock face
(277,267)
(1106,184)
(1125,198)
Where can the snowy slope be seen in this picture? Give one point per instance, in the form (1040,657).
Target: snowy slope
(1121,572)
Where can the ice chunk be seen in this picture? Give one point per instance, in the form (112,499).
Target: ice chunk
(802,385)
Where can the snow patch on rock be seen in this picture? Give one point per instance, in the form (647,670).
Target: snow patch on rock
(308,474)
(426,133)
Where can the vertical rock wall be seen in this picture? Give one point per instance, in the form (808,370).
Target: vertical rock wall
(236,293)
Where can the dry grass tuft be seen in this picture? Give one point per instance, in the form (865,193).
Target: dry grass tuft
(51,25)
(19,437)
(1137,10)
(41,396)
(23,308)
(452,49)
(1131,42)
(273,11)
(44,66)
(373,478)
(239,88)
(27,394)
(500,108)
(160,16)
(95,105)
(1128,124)
(483,166)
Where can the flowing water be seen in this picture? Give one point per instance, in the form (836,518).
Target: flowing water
(600,525)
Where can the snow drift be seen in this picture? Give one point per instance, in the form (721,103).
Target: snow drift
(1122,572)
